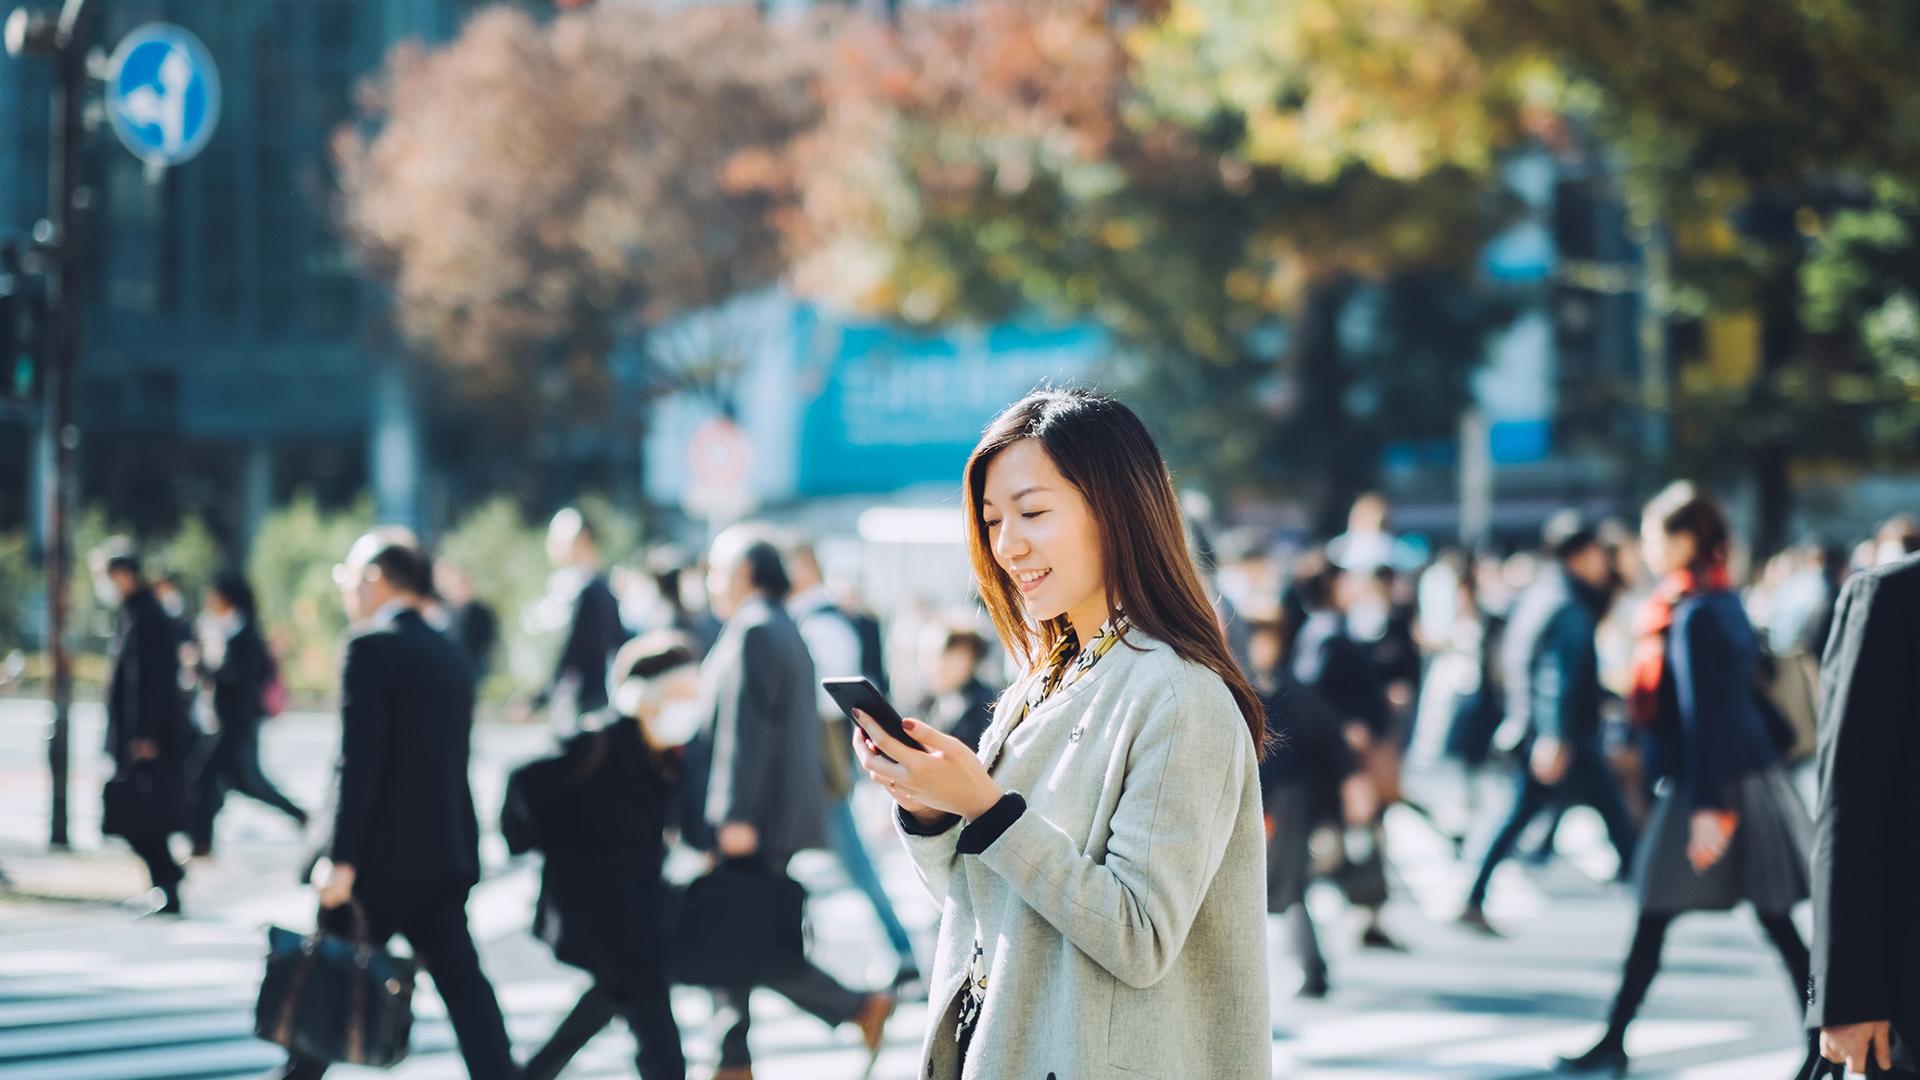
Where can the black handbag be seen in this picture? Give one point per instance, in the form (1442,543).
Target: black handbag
(336,1000)
(143,800)
(741,923)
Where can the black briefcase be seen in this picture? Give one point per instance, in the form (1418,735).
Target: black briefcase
(738,925)
(144,800)
(336,1000)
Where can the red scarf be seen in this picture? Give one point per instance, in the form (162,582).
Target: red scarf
(1650,653)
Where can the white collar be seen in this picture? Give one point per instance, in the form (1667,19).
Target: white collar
(389,611)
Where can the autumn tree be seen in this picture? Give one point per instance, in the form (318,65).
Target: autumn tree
(534,190)
(1158,172)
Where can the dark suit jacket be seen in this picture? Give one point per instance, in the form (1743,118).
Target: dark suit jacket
(761,746)
(143,691)
(403,813)
(239,683)
(1866,854)
(595,634)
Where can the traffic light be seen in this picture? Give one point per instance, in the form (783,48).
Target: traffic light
(21,320)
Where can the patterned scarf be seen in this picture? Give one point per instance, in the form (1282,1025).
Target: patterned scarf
(1066,664)
(1656,618)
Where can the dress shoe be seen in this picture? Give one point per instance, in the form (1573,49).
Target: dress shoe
(1602,1060)
(1475,918)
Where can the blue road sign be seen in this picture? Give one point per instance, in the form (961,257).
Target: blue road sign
(163,94)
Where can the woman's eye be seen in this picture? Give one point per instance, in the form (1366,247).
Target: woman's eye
(1031,514)
(995,523)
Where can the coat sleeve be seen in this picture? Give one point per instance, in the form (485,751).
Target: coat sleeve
(1131,910)
(935,851)
(363,750)
(1865,696)
(744,735)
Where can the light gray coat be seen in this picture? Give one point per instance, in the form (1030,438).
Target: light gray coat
(1122,917)
(762,732)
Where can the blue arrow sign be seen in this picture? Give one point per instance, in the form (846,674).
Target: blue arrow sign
(163,94)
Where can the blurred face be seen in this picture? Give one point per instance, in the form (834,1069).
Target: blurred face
(667,706)
(1044,537)
(945,670)
(1664,552)
(363,590)
(216,604)
(729,583)
(567,543)
(1592,565)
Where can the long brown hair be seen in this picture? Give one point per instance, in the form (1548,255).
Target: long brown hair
(1105,452)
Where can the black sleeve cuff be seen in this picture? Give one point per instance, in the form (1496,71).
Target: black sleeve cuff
(980,834)
(913,827)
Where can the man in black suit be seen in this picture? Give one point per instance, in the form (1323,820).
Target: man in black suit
(405,844)
(594,629)
(147,723)
(764,795)
(1865,992)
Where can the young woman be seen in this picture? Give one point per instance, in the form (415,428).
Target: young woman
(236,663)
(1726,825)
(1099,861)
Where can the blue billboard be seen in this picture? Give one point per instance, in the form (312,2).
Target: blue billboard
(891,408)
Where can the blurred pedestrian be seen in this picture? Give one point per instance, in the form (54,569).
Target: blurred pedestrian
(755,773)
(1552,680)
(149,734)
(1727,826)
(958,701)
(1098,861)
(1310,777)
(471,621)
(598,812)
(834,643)
(1865,993)
(1340,670)
(404,841)
(593,627)
(235,659)
(1896,539)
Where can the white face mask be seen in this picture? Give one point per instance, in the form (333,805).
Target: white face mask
(105,591)
(174,605)
(677,723)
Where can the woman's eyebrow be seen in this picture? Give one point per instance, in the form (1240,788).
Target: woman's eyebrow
(1021,494)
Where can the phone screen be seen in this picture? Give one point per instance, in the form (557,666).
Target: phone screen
(857,693)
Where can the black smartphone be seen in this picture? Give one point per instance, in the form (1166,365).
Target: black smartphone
(857,693)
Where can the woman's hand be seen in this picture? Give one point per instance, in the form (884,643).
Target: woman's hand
(946,777)
(1709,832)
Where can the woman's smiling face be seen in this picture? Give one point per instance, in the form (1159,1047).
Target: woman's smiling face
(1043,535)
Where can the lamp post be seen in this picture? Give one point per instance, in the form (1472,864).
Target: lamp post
(59,40)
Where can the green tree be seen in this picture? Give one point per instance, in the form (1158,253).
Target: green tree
(1740,128)
(1170,176)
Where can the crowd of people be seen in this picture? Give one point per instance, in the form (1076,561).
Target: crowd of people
(1622,669)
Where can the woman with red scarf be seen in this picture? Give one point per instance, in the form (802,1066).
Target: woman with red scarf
(1726,825)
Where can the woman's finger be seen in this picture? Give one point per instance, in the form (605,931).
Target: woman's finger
(884,742)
